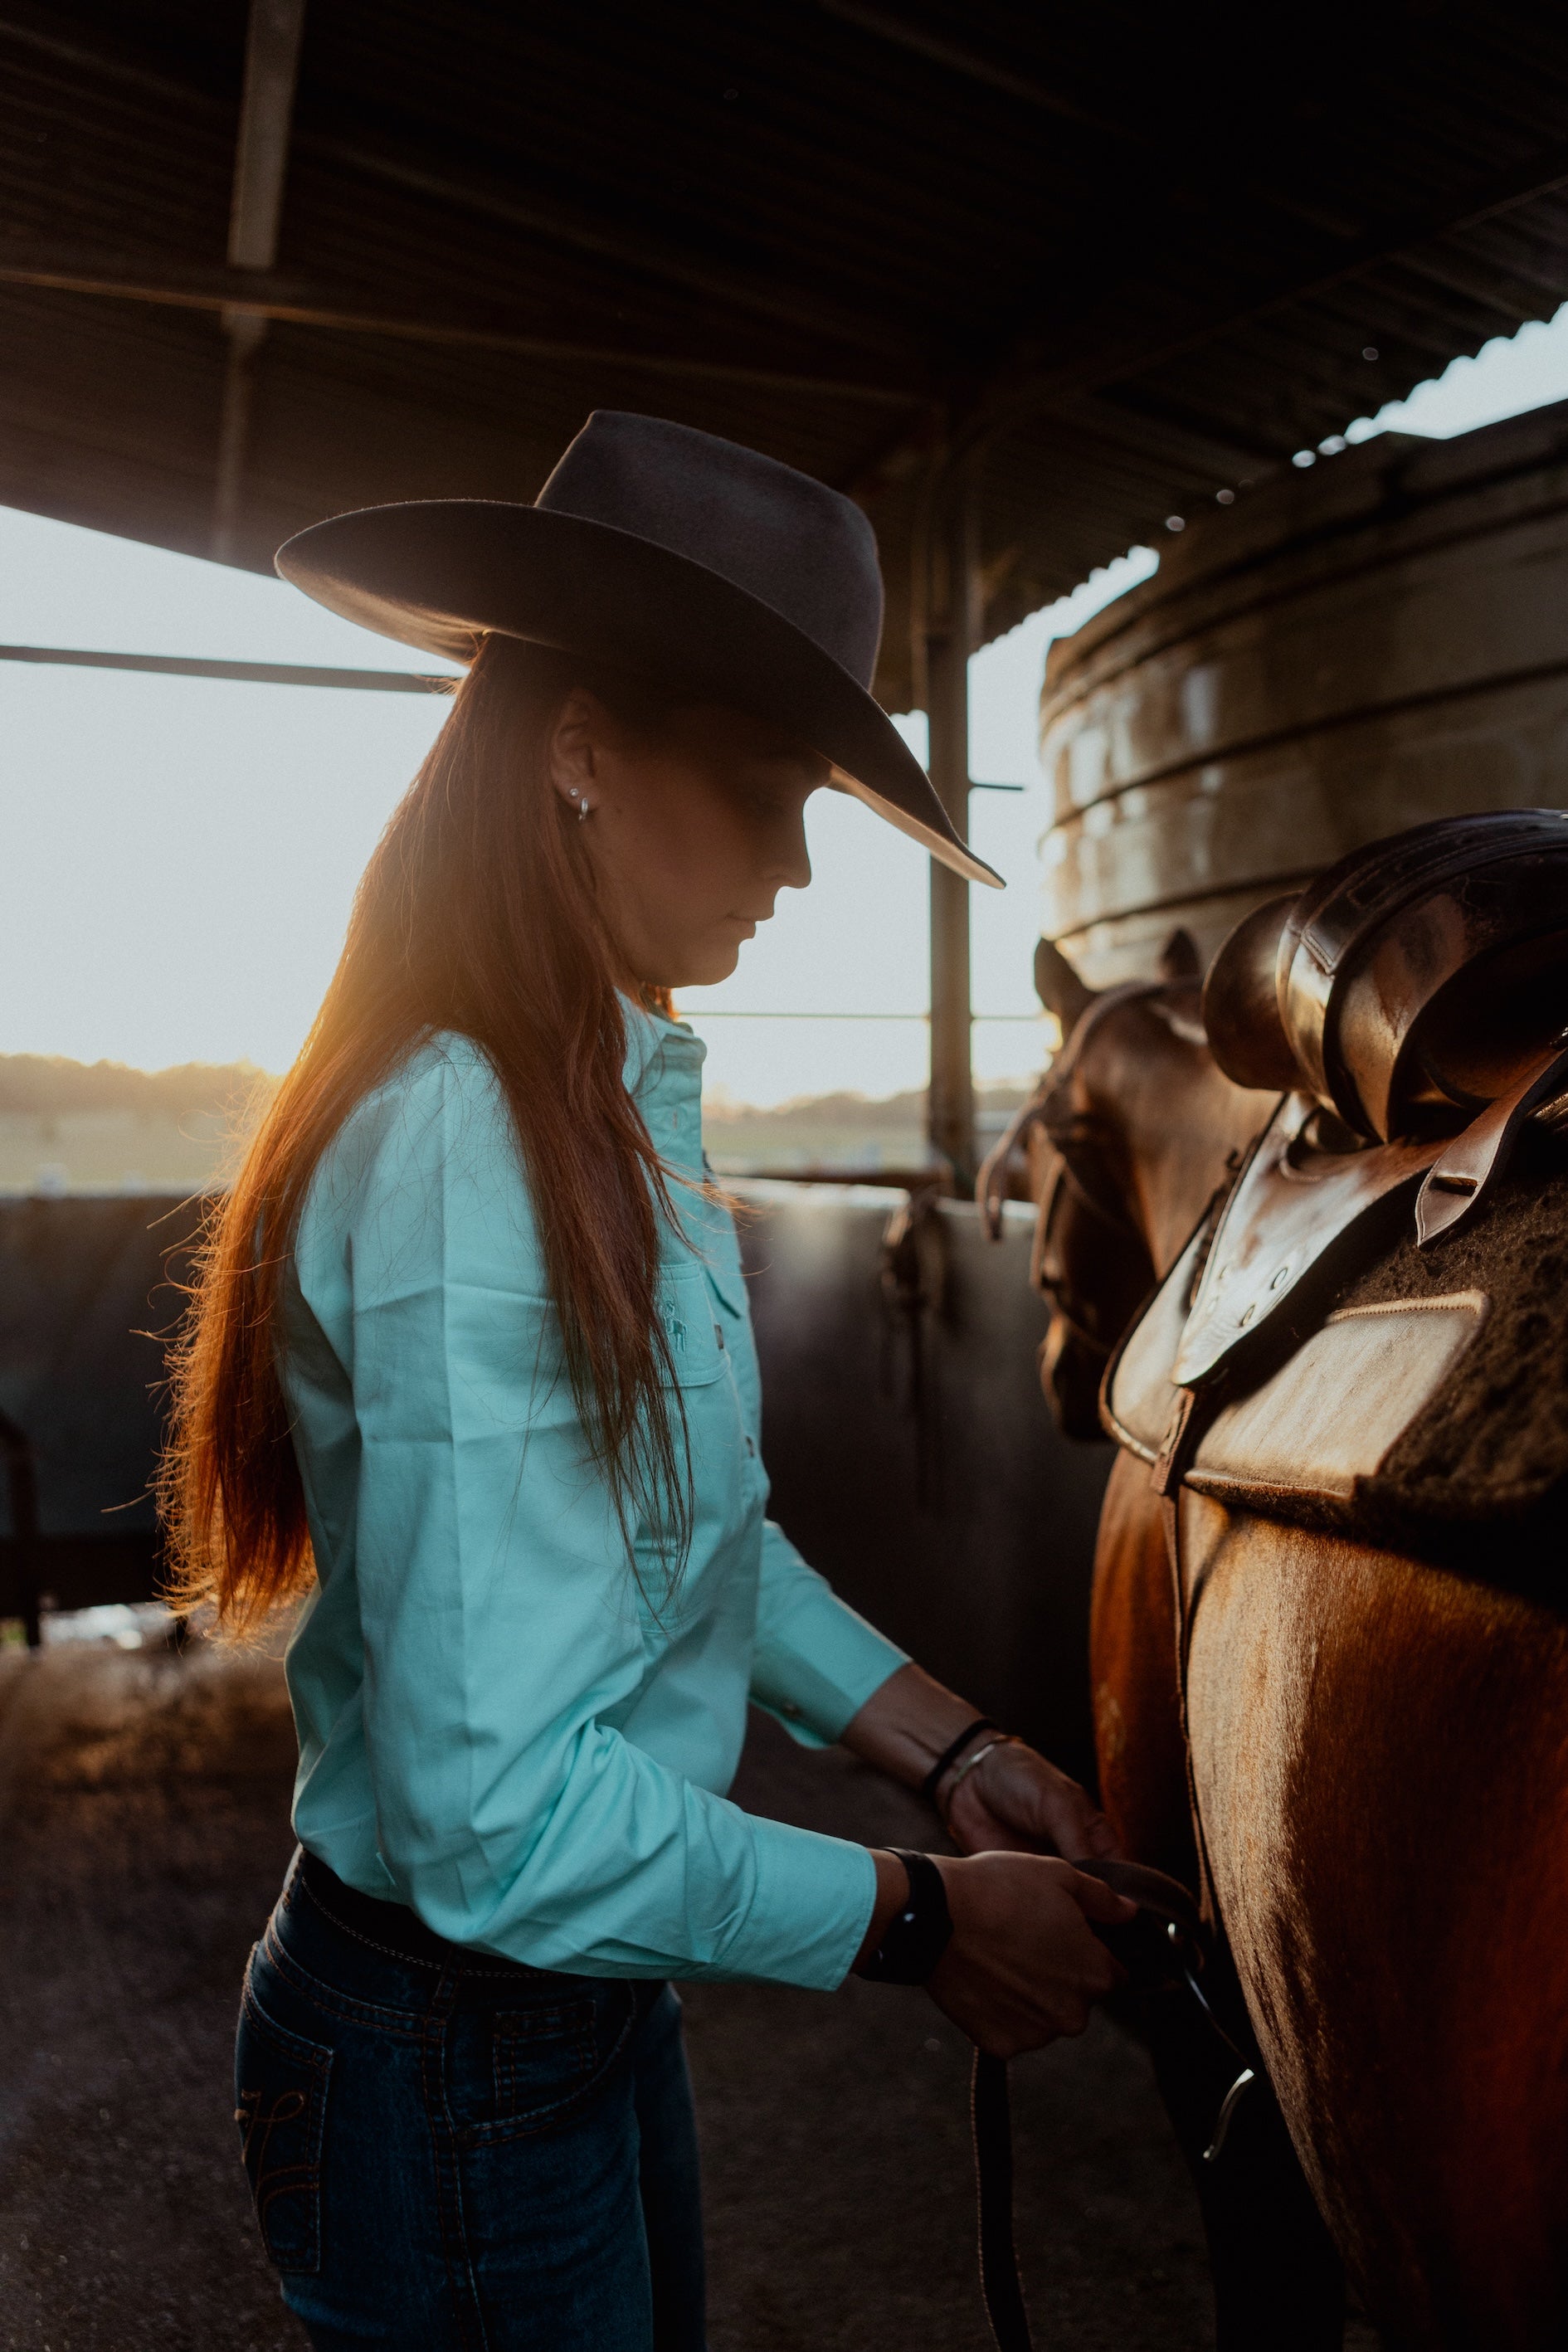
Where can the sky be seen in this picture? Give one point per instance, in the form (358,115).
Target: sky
(179,854)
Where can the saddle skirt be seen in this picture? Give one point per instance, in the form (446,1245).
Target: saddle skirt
(1307,1358)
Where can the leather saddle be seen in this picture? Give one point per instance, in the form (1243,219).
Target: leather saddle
(1413,1007)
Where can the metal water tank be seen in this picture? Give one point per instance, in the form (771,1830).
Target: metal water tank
(1344,651)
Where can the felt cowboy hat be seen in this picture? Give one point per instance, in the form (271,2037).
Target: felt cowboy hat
(667,553)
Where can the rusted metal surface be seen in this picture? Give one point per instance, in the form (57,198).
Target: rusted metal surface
(912,1455)
(1120,266)
(1345,652)
(85,1286)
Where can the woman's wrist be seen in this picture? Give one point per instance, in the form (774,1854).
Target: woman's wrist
(920,1930)
(908,1723)
(892,1891)
(970,1758)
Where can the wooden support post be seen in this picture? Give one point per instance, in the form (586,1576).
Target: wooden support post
(950,640)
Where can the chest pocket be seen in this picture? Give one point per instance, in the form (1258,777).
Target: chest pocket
(686,1310)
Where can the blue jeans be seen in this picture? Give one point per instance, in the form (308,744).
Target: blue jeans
(450,2153)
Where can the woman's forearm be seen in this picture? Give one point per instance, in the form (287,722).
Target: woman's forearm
(907,1723)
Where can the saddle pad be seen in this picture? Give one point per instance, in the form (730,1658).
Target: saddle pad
(1287,1223)
(1454,1415)
(1331,1414)
(1493,1443)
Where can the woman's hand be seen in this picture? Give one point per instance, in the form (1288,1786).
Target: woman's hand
(1011,1801)
(1014,1801)
(1023,1965)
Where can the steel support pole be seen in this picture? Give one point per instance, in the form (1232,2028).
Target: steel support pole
(256,214)
(950,640)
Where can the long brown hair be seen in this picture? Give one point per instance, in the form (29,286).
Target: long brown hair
(477,913)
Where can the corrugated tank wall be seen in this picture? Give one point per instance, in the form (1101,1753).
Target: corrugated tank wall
(1345,651)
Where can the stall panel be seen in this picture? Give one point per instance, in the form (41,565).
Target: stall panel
(913,1456)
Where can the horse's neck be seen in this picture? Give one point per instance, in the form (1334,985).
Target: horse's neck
(1187,1120)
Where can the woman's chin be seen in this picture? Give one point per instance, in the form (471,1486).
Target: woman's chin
(708,967)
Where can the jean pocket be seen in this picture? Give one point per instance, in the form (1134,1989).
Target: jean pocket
(280,2092)
(511,2072)
(540,2059)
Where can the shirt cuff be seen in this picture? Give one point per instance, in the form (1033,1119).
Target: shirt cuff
(810,1908)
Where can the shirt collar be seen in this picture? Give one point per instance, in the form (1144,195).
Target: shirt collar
(663,1068)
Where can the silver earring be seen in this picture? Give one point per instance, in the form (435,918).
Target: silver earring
(583,811)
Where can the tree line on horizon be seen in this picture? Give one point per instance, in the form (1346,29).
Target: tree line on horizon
(47,1085)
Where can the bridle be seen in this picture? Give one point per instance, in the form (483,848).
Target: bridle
(1079,1148)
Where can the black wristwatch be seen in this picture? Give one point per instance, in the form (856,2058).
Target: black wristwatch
(917,1934)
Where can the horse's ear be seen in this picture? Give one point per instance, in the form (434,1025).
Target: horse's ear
(1179,958)
(1058,987)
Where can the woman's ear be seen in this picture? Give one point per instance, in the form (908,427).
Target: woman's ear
(572,755)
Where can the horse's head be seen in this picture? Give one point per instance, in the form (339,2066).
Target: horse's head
(1128,1136)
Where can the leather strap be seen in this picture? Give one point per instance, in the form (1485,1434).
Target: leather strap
(1466,1166)
(990,2122)
(951,1754)
(1158,1946)
(917,1935)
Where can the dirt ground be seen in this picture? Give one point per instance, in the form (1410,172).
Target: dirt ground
(143,1832)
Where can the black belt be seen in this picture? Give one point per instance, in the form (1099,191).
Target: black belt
(1165,1945)
(392,1927)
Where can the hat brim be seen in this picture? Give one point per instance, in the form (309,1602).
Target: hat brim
(439,573)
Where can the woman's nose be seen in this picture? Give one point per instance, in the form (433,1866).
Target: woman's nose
(791,862)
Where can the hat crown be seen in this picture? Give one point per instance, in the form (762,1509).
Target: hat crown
(802,549)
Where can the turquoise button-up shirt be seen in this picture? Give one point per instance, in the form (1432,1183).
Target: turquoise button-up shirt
(500,1725)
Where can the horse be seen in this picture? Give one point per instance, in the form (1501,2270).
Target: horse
(1372,1749)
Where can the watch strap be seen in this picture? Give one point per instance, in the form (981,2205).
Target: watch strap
(918,1932)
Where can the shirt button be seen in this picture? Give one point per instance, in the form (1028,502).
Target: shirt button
(750,1448)
(718,1335)
(790,1709)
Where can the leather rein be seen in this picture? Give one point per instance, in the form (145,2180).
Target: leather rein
(1169,1943)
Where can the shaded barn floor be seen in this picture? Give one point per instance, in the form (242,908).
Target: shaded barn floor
(142,1834)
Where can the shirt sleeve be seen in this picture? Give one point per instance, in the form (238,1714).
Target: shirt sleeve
(816,1661)
(499,1617)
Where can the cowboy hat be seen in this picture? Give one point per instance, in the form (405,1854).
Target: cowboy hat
(669,552)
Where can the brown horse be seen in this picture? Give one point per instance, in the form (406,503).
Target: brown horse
(1378,1751)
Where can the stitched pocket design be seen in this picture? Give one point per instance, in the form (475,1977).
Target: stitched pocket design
(689,1329)
(281,2084)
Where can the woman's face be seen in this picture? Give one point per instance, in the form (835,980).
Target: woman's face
(691,835)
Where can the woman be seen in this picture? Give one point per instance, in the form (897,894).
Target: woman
(469,1369)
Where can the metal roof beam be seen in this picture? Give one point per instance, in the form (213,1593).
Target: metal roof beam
(1108,349)
(747,290)
(256,214)
(885,24)
(1133,418)
(261,157)
(265,294)
(751,290)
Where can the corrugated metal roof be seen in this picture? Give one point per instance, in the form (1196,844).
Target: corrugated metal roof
(1122,255)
